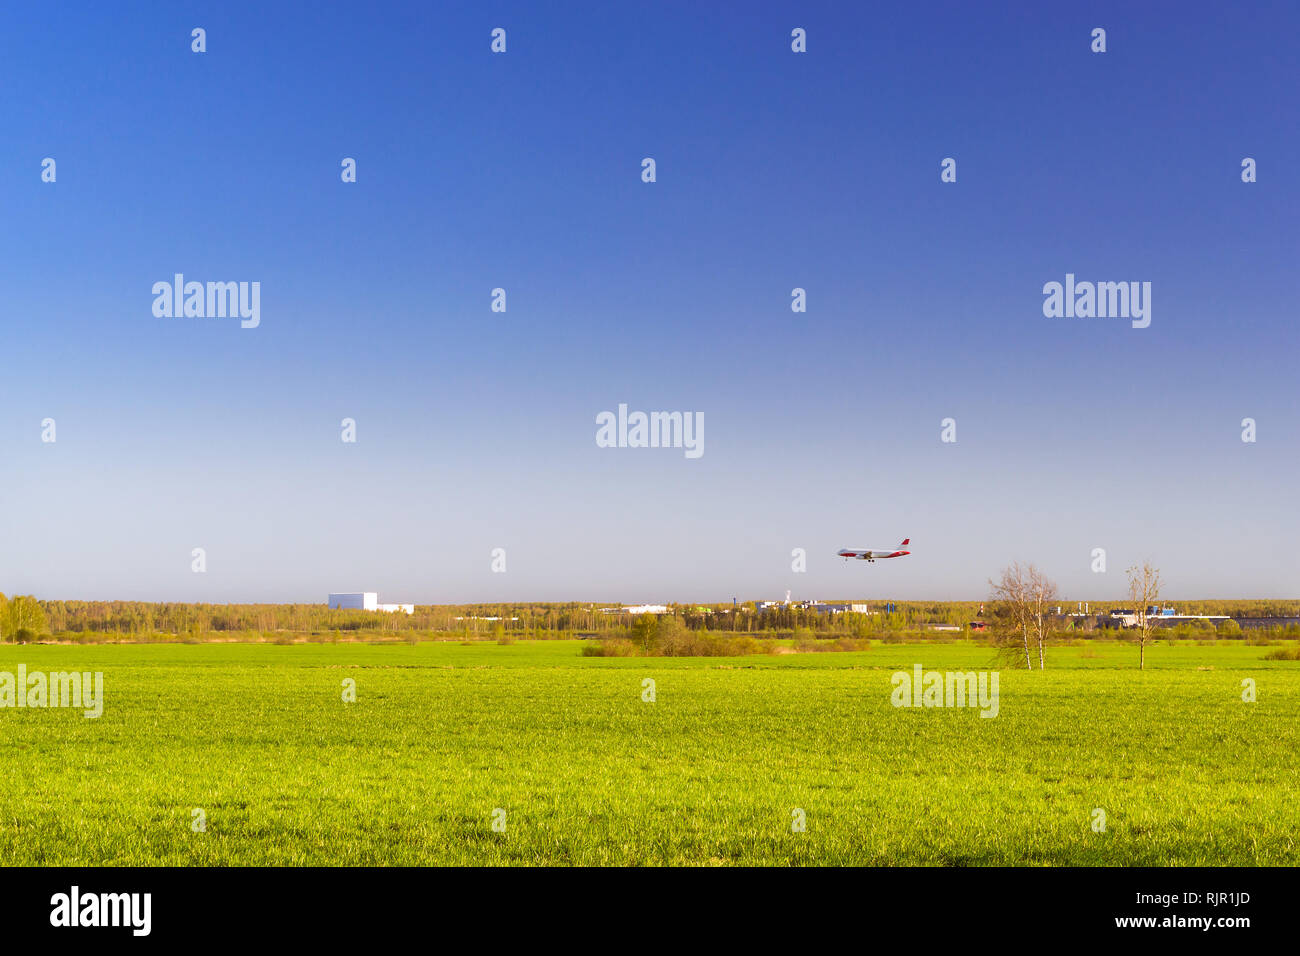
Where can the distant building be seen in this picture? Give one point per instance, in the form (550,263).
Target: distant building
(1156,616)
(813,605)
(839,608)
(1260,623)
(364,601)
(355,601)
(766,605)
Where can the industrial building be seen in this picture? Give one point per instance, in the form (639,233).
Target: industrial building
(821,608)
(814,605)
(1156,616)
(364,601)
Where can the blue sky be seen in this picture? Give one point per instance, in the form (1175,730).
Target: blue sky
(522,170)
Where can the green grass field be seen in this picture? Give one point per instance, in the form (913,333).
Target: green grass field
(711,772)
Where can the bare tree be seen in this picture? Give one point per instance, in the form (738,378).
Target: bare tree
(1143,592)
(1010,611)
(1040,596)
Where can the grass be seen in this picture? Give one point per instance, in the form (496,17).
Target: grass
(442,734)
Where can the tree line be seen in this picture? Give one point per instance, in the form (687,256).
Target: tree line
(22,619)
(1021,613)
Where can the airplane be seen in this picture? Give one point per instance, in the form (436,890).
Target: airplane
(866,554)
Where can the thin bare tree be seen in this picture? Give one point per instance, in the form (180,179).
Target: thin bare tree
(1143,592)
(1010,611)
(1040,596)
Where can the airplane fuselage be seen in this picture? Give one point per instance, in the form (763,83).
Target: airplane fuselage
(870,554)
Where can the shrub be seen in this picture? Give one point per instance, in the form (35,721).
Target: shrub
(608,647)
(743,645)
(853,644)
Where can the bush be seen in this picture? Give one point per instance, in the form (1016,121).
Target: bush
(608,647)
(1283,654)
(744,645)
(24,635)
(853,644)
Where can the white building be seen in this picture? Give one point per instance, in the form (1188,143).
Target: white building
(365,601)
(839,608)
(355,600)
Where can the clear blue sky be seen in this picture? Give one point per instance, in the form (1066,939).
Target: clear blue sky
(476,430)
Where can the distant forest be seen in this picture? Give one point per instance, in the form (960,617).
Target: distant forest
(140,620)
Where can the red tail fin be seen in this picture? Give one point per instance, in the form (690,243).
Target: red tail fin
(906,542)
